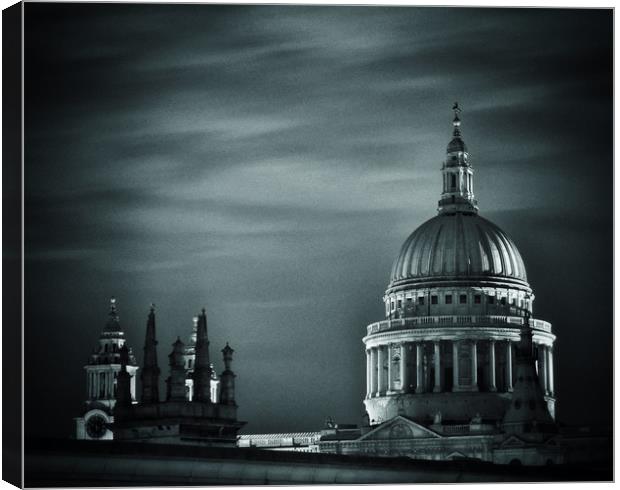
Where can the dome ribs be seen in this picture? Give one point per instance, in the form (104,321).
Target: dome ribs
(440,245)
(408,265)
(458,245)
(471,248)
(461,264)
(436,255)
(506,245)
(485,251)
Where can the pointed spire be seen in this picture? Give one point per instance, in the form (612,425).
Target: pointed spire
(150,371)
(202,367)
(458,191)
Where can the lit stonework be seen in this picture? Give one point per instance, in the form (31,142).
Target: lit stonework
(190,359)
(455,306)
(102,372)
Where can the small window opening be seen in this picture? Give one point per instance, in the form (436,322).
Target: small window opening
(463,299)
(433,300)
(448,299)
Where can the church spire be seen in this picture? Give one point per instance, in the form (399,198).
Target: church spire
(202,365)
(458,184)
(150,371)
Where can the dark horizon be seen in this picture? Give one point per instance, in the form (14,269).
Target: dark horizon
(268,162)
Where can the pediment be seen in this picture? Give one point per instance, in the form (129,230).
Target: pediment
(399,428)
(456,455)
(513,441)
(552,441)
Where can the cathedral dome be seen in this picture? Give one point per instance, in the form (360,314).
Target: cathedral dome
(457,246)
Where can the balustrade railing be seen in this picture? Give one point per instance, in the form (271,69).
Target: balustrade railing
(455,429)
(454,321)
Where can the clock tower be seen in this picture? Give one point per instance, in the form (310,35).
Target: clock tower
(102,372)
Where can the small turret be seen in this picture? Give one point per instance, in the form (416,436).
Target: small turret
(202,367)
(150,371)
(227,378)
(123,380)
(176,381)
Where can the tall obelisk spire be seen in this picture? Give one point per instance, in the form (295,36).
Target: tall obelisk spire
(202,366)
(150,371)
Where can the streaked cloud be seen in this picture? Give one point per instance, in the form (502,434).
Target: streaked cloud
(269,161)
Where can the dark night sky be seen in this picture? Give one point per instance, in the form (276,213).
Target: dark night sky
(269,161)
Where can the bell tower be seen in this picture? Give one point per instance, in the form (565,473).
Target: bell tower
(102,371)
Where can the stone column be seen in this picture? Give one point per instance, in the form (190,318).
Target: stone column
(550,369)
(419,364)
(96,373)
(542,368)
(133,387)
(437,352)
(373,371)
(368,373)
(388,385)
(380,374)
(474,365)
(404,372)
(509,366)
(492,386)
(455,366)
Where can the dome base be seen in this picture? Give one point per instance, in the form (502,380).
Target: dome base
(460,407)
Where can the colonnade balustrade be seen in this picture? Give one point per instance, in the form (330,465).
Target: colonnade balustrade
(426,366)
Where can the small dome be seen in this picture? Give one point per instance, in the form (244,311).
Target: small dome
(455,247)
(457,144)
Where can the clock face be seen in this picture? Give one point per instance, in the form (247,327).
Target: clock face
(96,426)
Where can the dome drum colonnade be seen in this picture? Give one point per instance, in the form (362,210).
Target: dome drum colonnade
(456,303)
